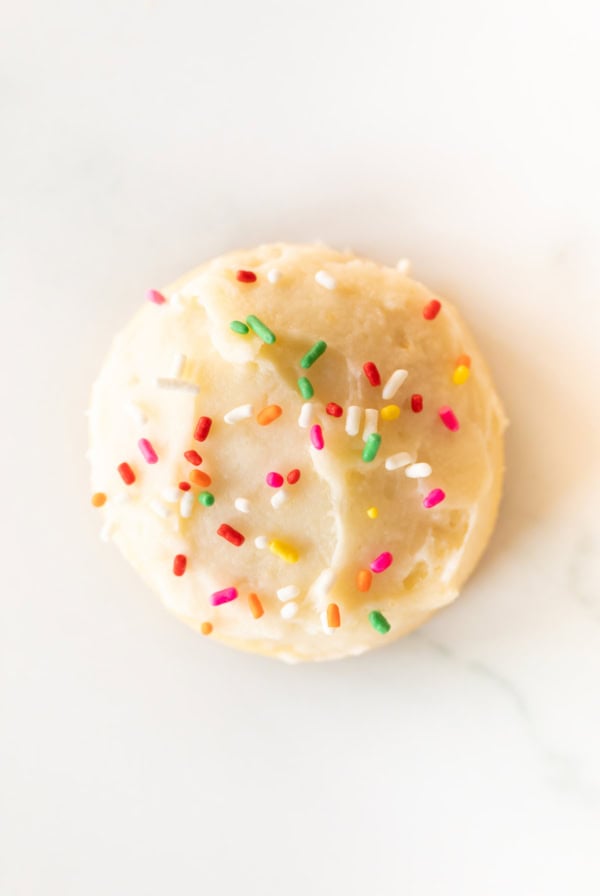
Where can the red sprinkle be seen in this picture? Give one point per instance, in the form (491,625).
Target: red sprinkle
(231,535)
(431,309)
(193,457)
(126,473)
(202,428)
(293,476)
(449,418)
(179,564)
(371,373)
(184,486)
(153,295)
(275,480)
(245,276)
(416,403)
(334,410)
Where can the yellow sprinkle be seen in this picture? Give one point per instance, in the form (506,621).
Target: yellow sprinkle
(283,550)
(460,375)
(372,513)
(390,412)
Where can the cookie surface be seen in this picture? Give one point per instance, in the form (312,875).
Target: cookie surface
(301,451)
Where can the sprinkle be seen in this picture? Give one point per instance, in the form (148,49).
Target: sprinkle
(333,616)
(432,309)
(202,428)
(313,354)
(372,373)
(239,326)
(353,420)
(136,413)
(463,361)
(261,542)
(186,505)
(242,504)
(363,579)
(371,447)
(245,276)
(416,403)
(159,508)
(305,415)
(371,416)
(305,387)
(284,551)
(206,628)
(153,295)
(379,622)
(289,610)
(326,280)
(324,582)
(184,486)
(278,499)
(461,375)
(275,480)
(382,562)
(207,499)
(148,452)
(316,437)
(435,496)
(171,495)
(231,535)
(223,597)
(274,276)
(242,412)
(334,410)
(126,473)
(293,476)
(390,412)
(394,383)
(193,457)
(98,499)
(261,330)
(288,592)
(199,477)
(449,418)
(178,365)
(268,414)
(179,564)
(395,461)
(403,266)
(170,382)
(372,513)
(256,608)
(418,471)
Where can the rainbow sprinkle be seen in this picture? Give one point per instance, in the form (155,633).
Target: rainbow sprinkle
(313,354)
(260,329)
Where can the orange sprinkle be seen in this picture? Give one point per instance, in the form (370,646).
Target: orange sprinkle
(206,628)
(363,579)
(333,616)
(98,499)
(199,477)
(463,361)
(256,608)
(268,414)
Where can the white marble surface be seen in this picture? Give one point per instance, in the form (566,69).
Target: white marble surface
(140,138)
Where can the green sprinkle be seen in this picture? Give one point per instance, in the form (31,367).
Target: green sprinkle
(305,386)
(371,447)
(206,498)
(379,622)
(238,327)
(260,329)
(313,354)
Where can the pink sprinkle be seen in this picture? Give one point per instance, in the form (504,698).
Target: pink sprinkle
(153,295)
(381,563)
(316,437)
(435,496)
(275,480)
(449,418)
(148,452)
(223,597)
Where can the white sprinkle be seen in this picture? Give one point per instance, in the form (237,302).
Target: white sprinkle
(178,365)
(371,416)
(261,542)
(136,413)
(240,413)
(353,420)
(279,498)
(274,275)
(324,582)
(403,266)
(394,383)
(169,382)
(418,471)
(289,610)
(242,504)
(159,508)
(326,280)
(171,495)
(402,459)
(288,592)
(326,629)
(186,505)
(305,415)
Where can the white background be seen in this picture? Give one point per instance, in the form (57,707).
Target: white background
(140,138)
